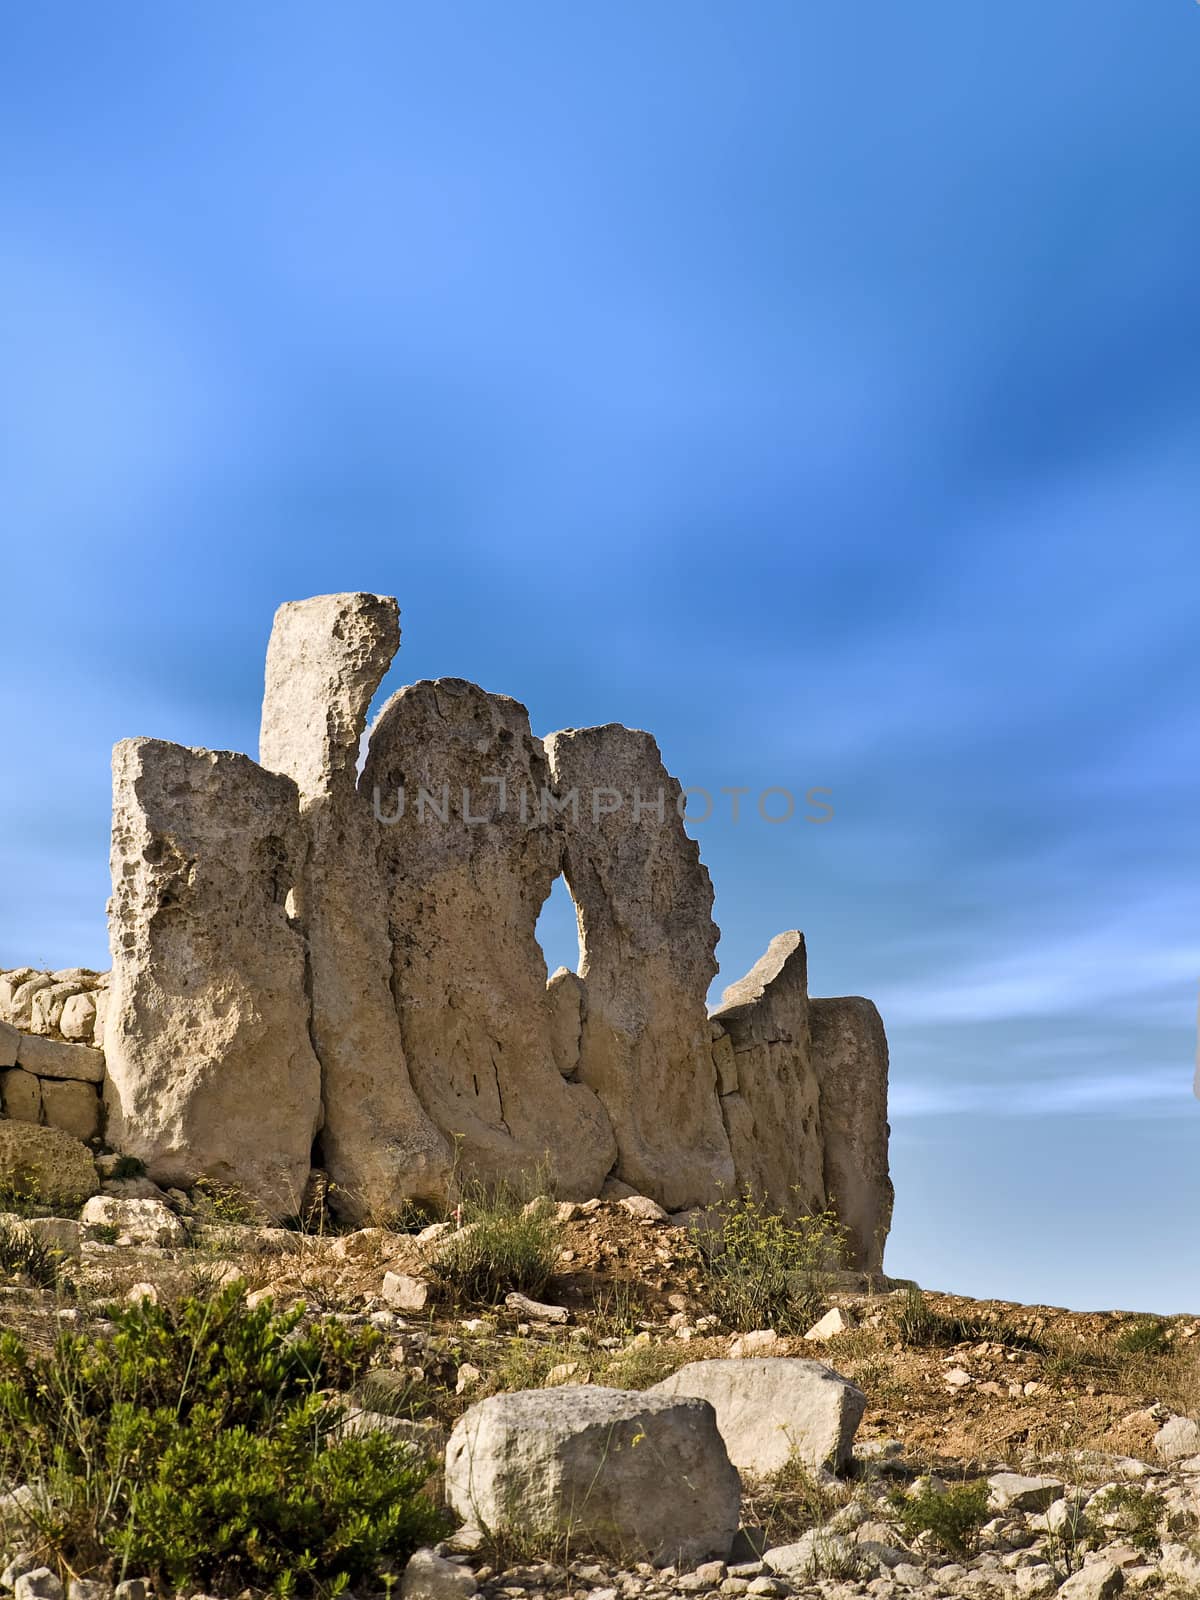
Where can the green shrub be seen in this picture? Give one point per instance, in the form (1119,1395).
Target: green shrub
(25,1257)
(1134,1511)
(920,1326)
(507,1244)
(1150,1337)
(197,1444)
(953,1516)
(764,1270)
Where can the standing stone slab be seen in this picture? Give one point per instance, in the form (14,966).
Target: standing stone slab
(210,1069)
(645,908)
(469,857)
(774,1118)
(850,1055)
(326,658)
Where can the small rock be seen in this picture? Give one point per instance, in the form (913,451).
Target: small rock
(40,1584)
(831,1324)
(139,1292)
(765,1586)
(143,1222)
(468,1376)
(536,1311)
(1098,1581)
(957,1378)
(643,1208)
(1012,1492)
(750,1344)
(403,1292)
(133,1589)
(562,1373)
(429,1576)
(89,1589)
(1178,1439)
(24,1561)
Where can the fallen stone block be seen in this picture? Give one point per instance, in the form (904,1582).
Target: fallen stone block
(143,1222)
(633,1476)
(1177,1439)
(773,1409)
(1010,1491)
(404,1292)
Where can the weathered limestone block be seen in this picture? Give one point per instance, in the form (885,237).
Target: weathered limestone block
(77,1020)
(645,908)
(771,1409)
(850,1056)
(73,1107)
(567,998)
(774,1119)
(469,864)
(22,1094)
(10,1040)
(210,1069)
(326,658)
(45,1164)
(55,1058)
(24,986)
(617,1473)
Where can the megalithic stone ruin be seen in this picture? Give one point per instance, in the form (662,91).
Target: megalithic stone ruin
(317,967)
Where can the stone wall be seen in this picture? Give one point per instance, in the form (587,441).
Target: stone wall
(51,1069)
(317,964)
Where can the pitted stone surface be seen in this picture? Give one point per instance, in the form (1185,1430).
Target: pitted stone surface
(326,659)
(850,1056)
(616,1472)
(774,1118)
(645,908)
(469,860)
(210,1068)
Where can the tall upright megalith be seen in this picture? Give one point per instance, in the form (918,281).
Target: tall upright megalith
(850,1058)
(774,1114)
(645,908)
(326,658)
(211,1072)
(470,847)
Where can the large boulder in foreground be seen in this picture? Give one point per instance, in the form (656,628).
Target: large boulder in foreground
(850,1058)
(45,1164)
(632,1476)
(771,1409)
(211,1072)
(326,658)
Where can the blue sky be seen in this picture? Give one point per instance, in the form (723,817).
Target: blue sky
(816,385)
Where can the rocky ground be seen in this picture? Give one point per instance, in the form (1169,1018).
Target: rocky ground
(1005,1450)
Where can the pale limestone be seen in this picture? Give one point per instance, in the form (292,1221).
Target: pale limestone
(850,1056)
(326,658)
(567,999)
(774,1121)
(10,1040)
(210,1069)
(468,975)
(78,1018)
(617,1473)
(644,901)
(45,1164)
(54,1058)
(22,1095)
(72,1106)
(771,1409)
